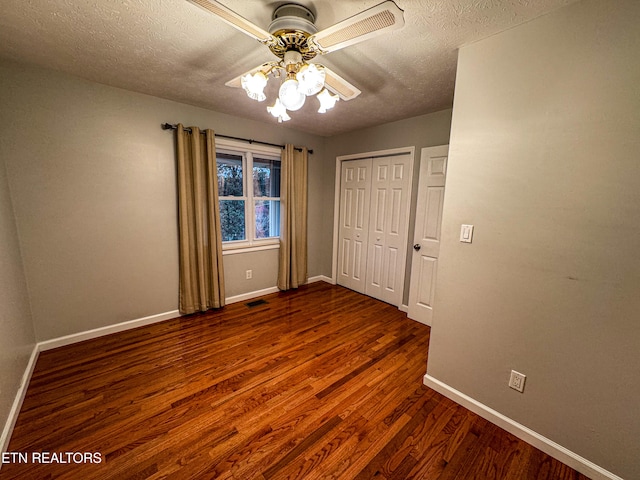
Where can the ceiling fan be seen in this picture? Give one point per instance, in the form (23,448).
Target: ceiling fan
(295,40)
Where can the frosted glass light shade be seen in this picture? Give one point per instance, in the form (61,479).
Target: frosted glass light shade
(254,85)
(310,79)
(290,96)
(279,111)
(327,101)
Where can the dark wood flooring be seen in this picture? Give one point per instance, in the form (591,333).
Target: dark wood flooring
(316,383)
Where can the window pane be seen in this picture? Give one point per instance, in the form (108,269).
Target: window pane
(229,175)
(266,177)
(232,220)
(267,215)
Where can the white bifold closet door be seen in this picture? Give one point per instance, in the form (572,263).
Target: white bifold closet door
(374,210)
(355,188)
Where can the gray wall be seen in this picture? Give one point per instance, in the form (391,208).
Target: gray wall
(422,131)
(17,338)
(545,162)
(92,179)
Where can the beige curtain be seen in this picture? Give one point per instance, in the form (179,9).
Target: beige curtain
(200,240)
(292,268)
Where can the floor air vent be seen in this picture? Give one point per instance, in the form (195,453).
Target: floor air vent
(255,303)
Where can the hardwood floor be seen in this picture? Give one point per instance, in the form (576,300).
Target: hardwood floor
(317,383)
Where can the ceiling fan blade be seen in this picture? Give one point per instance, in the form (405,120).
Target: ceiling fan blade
(338,85)
(235,20)
(265,68)
(372,22)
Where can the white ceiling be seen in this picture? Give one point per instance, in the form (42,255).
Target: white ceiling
(174,50)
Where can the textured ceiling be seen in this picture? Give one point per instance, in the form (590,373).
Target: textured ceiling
(173,50)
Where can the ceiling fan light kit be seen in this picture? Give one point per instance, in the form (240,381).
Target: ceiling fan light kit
(310,79)
(290,96)
(327,100)
(254,85)
(279,111)
(295,40)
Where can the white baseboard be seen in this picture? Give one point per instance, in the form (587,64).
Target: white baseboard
(266,291)
(250,295)
(321,278)
(17,402)
(102,331)
(404,308)
(120,327)
(549,447)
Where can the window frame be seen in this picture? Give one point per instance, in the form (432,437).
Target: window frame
(248,151)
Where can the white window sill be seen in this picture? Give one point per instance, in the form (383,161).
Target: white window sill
(249,248)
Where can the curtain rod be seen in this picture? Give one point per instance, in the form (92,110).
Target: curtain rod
(170,126)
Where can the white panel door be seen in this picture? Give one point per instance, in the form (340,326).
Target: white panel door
(388,221)
(353,231)
(426,249)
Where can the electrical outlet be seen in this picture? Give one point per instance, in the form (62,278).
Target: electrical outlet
(516,381)
(249,274)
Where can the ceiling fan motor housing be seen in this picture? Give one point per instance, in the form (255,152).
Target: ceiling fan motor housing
(292,24)
(292,16)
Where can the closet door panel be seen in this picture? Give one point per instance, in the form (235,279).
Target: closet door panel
(355,185)
(391,183)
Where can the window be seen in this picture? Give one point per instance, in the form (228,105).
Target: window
(249,193)
(266,197)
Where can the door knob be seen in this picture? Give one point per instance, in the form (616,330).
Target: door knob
(417,247)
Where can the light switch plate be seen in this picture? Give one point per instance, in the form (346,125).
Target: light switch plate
(466,233)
